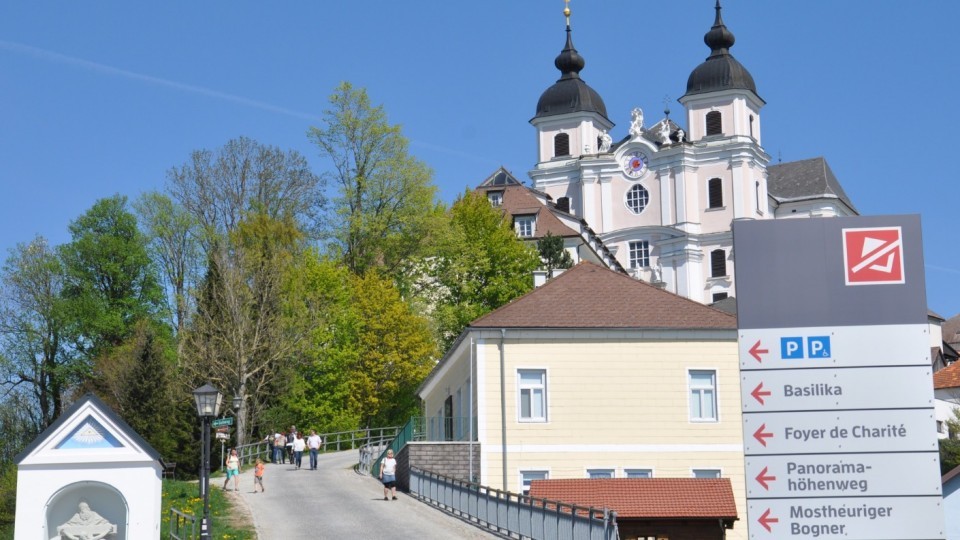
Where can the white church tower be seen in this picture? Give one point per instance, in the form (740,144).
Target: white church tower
(663,198)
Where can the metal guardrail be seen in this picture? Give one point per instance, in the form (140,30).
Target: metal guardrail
(512,515)
(178,525)
(332,442)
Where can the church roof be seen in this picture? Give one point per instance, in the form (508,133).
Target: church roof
(805,179)
(720,71)
(570,93)
(590,296)
(649,498)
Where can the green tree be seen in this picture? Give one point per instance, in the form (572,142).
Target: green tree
(111,280)
(368,351)
(384,209)
(552,254)
(173,239)
(35,328)
(480,265)
(243,337)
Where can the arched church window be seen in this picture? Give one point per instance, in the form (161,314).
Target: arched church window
(561,145)
(637,198)
(714,123)
(715,193)
(718,263)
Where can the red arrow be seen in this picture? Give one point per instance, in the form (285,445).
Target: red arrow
(760,435)
(762,479)
(756,351)
(765,520)
(758,395)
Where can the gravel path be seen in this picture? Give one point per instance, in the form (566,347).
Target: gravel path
(335,502)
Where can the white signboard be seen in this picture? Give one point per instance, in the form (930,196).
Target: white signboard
(836,382)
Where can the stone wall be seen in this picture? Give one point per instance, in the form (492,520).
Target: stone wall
(447,458)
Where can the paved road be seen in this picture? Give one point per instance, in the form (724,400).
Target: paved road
(337,503)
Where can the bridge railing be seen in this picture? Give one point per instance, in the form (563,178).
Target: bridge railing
(512,515)
(332,442)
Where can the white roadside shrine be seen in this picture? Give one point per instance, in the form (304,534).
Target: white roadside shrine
(88,475)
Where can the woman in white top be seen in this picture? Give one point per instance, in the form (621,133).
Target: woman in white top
(298,445)
(388,475)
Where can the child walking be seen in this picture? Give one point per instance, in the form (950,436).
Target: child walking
(258,476)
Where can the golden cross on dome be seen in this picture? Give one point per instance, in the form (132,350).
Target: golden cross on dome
(566,10)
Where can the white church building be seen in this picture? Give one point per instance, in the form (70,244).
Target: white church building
(663,198)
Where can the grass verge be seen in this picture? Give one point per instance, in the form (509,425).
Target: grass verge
(225,520)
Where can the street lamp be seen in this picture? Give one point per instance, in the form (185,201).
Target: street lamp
(208,400)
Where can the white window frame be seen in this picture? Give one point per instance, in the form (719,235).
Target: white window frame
(638,252)
(636,199)
(535,474)
(638,472)
(528,388)
(699,391)
(707,472)
(526,226)
(601,472)
(495,198)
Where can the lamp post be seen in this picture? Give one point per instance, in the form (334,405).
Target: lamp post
(207,399)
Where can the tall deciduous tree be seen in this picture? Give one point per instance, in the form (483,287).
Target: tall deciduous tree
(35,328)
(111,280)
(384,208)
(242,337)
(480,266)
(173,240)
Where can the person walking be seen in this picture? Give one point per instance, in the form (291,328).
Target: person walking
(388,475)
(291,436)
(279,442)
(258,476)
(298,445)
(233,470)
(314,442)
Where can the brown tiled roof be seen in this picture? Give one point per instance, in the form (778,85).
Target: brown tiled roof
(519,200)
(590,296)
(948,377)
(688,498)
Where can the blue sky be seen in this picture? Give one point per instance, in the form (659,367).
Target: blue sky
(99,98)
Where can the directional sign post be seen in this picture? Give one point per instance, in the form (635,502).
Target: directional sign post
(836,380)
(220,422)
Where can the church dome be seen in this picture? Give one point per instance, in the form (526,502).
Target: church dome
(720,71)
(570,93)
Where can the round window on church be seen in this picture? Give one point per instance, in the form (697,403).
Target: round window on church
(637,198)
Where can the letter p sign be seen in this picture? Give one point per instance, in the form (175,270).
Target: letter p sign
(818,347)
(791,348)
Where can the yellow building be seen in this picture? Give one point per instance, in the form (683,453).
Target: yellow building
(595,374)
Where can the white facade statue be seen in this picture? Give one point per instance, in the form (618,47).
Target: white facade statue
(681,135)
(636,122)
(665,132)
(605,141)
(86,525)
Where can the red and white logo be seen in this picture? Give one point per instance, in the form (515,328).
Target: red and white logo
(873,256)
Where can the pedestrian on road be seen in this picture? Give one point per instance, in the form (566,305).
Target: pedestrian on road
(279,442)
(233,470)
(298,445)
(314,442)
(258,476)
(388,475)
(291,436)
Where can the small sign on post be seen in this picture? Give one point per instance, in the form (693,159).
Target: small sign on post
(220,422)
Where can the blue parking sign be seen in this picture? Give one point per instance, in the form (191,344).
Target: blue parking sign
(818,347)
(791,348)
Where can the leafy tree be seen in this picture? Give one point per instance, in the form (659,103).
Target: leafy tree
(35,327)
(243,338)
(173,242)
(480,265)
(369,351)
(384,209)
(552,254)
(111,280)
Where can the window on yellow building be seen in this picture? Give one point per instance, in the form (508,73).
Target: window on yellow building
(703,395)
(532,395)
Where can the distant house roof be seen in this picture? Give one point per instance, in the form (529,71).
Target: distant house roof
(948,377)
(951,331)
(805,179)
(665,498)
(590,296)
